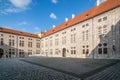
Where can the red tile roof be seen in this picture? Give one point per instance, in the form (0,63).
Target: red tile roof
(6,30)
(97,10)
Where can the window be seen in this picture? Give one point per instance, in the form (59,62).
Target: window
(37,51)
(105,18)
(21,53)
(21,43)
(50,42)
(83,26)
(2,41)
(38,45)
(99,20)
(29,52)
(56,42)
(1,34)
(105,44)
(105,50)
(29,44)
(64,40)
(56,51)
(73,38)
(99,50)
(104,29)
(73,29)
(11,42)
(87,51)
(73,50)
(83,51)
(83,33)
(87,35)
(51,51)
(87,24)
(63,32)
(99,45)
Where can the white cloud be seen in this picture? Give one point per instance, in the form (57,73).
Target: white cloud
(53,16)
(55,1)
(37,28)
(23,23)
(14,6)
(21,3)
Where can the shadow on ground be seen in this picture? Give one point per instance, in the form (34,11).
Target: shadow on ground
(81,68)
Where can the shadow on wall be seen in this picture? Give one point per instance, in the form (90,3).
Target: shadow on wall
(7,51)
(109,44)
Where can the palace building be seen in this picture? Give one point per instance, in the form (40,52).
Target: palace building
(92,34)
(15,43)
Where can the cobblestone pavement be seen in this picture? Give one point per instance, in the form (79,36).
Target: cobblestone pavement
(14,69)
(77,67)
(111,73)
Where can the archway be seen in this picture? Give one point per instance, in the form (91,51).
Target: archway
(64,52)
(1,52)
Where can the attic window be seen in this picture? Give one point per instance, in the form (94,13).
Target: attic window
(66,24)
(86,15)
(53,30)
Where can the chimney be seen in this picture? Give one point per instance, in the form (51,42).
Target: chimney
(73,15)
(98,2)
(66,19)
(53,26)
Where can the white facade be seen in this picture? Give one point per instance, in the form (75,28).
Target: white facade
(18,46)
(97,37)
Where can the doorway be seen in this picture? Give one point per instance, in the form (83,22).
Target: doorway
(1,52)
(64,52)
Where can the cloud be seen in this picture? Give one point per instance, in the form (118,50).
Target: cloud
(21,3)
(55,1)
(53,16)
(37,28)
(23,23)
(14,6)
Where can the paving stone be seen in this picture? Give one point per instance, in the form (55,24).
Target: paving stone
(14,69)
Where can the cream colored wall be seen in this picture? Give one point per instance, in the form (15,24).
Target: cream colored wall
(16,46)
(113,17)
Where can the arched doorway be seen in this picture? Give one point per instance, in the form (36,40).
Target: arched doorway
(64,52)
(1,52)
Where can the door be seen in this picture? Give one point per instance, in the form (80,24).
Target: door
(1,52)
(64,52)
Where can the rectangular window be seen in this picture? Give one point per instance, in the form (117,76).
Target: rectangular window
(99,20)
(38,45)
(29,44)
(83,51)
(37,51)
(86,35)
(2,41)
(29,52)
(83,34)
(105,50)
(99,50)
(87,51)
(51,52)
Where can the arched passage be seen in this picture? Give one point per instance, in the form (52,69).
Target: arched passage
(64,52)
(1,52)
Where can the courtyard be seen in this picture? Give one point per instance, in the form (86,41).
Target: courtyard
(44,68)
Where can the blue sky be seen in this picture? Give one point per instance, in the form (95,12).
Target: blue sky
(39,15)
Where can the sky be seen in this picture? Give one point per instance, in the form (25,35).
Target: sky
(34,16)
